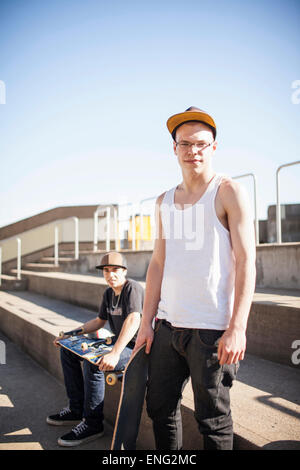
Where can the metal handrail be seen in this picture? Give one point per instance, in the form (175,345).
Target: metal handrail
(56,241)
(19,244)
(133,213)
(278,208)
(56,255)
(76,241)
(255,203)
(106,210)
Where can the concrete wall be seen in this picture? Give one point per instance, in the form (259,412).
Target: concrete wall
(15,229)
(76,290)
(272,328)
(290,223)
(37,232)
(278,266)
(137,261)
(39,238)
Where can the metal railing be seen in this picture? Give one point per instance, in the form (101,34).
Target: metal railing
(19,248)
(134,218)
(76,240)
(106,210)
(122,219)
(278,207)
(56,241)
(255,202)
(56,246)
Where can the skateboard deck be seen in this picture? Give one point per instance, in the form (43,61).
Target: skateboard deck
(91,349)
(131,402)
(86,348)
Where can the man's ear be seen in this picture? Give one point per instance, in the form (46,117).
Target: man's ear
(174,147)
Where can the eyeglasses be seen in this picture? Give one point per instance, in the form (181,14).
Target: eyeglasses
(185,146)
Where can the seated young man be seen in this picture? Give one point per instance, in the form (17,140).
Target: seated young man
(121,306)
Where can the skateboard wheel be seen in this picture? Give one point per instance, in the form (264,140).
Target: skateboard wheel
(111,379)
(61,334)
(108,340)
(84,347)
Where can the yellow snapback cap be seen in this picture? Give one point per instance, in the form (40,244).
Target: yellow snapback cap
(191,114)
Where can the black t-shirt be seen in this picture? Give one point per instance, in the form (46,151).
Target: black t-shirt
(115,309)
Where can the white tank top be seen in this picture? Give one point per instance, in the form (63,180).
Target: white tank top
(199,272)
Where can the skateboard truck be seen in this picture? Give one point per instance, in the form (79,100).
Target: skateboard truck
(96,344)
(79,331)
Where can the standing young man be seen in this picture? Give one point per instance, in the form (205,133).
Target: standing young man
(199,286)
(121,306)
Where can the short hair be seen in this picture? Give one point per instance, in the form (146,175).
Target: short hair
(186,122)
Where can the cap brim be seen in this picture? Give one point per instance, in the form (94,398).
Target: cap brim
(101,266)
(177,119)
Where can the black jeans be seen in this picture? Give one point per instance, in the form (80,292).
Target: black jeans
(176,355)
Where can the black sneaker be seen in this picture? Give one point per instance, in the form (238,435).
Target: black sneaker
(64,417)
(82,433)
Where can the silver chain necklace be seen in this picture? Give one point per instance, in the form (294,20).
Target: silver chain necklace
(112,301)
(119,296)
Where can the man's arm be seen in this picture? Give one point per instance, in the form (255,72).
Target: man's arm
(88,327)
(153,284)
(93,325)
(232,345)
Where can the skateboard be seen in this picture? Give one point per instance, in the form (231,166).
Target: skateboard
(131,402)
(86,348)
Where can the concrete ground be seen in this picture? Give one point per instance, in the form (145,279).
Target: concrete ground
(28,394)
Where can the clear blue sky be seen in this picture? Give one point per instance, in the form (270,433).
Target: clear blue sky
(90,85)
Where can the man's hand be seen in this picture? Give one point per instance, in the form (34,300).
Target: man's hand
(55,341)
(145,335)
(108,361)
(232,346)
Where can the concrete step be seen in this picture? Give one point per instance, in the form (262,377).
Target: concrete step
(138,261)
(274,324)
(65,263)
(78,289)
(41,267)
(265,398)
(51,259)
(12,283)
(46,264)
